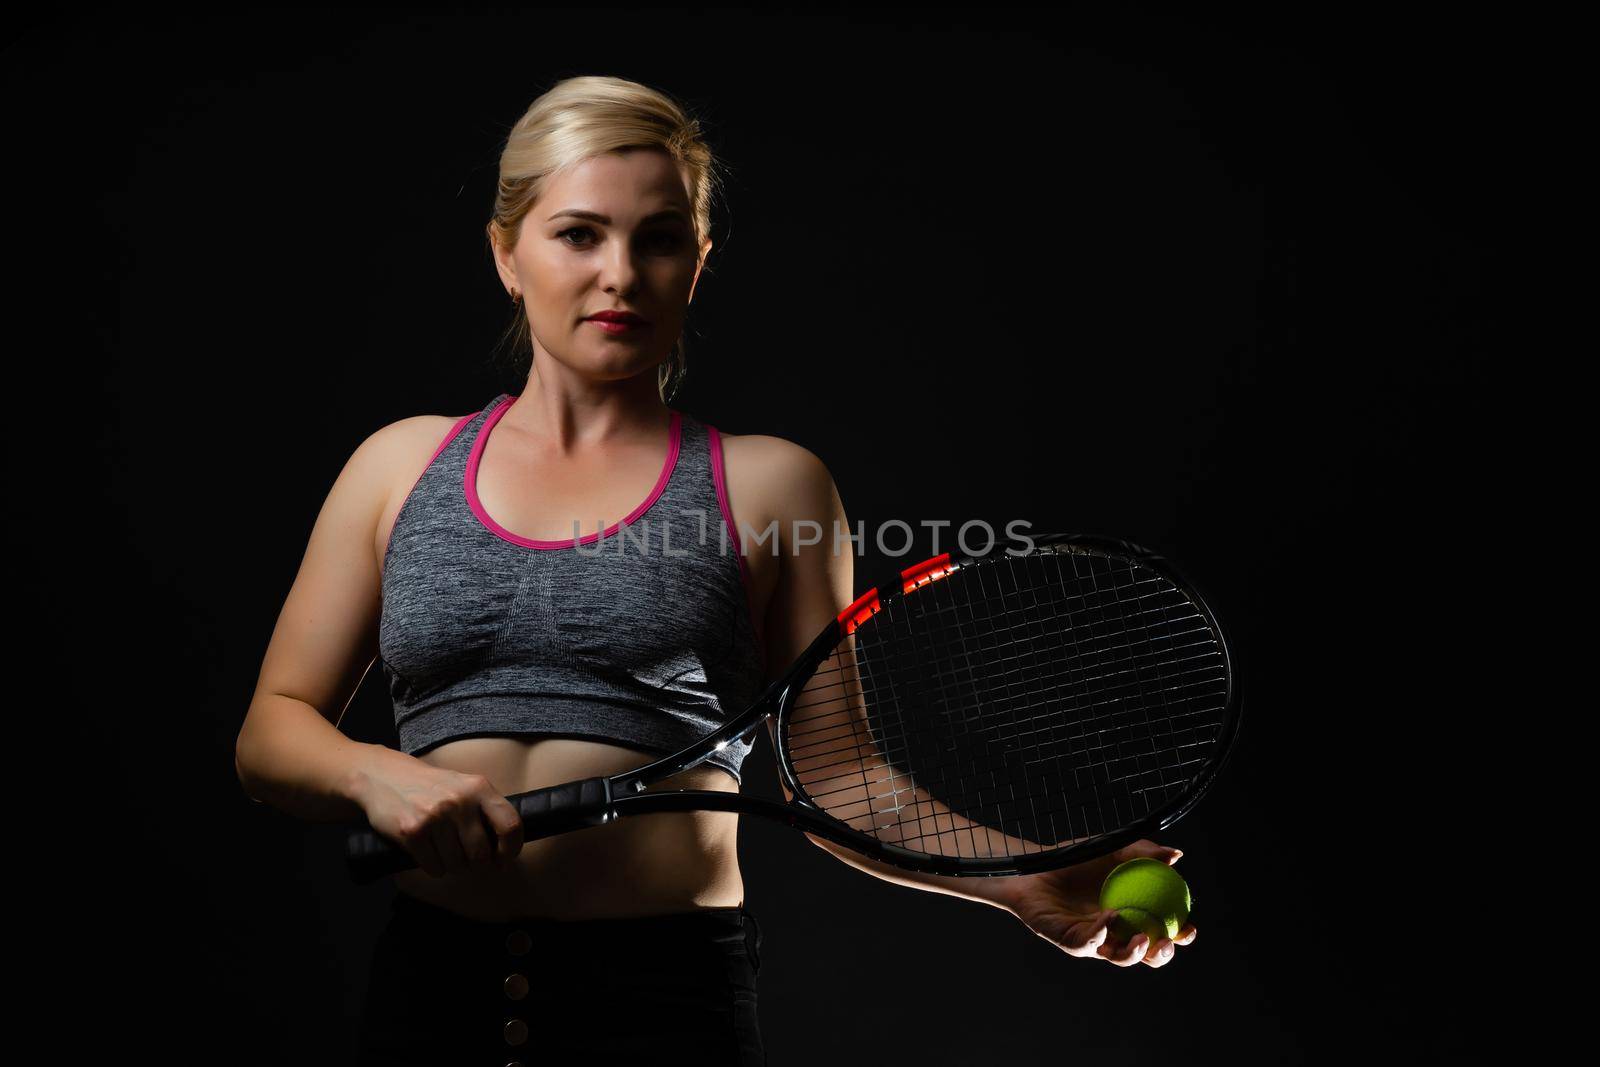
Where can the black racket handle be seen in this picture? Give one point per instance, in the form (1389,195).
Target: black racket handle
(545,813)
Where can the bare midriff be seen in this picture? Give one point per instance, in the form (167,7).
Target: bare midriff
(640,865)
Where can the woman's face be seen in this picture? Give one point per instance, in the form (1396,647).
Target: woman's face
(615,233)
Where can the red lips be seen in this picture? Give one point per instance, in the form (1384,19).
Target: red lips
(626,318)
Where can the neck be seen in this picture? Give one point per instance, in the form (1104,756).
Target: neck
(568,412)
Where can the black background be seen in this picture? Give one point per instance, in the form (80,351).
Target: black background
(1217,285)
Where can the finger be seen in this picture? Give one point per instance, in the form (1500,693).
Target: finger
(475,842)
(1082,939)
(427,856)
(447,839)
(1160,954)
(1186,935)
(1126,954)
(1144,848)
(506,822)
(1105,943)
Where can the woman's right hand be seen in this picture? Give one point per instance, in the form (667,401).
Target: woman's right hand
(448,821)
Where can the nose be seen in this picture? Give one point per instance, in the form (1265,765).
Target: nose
(618,272)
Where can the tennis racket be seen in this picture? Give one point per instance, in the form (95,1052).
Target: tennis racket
(991,715)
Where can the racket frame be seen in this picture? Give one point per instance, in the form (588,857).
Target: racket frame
(599,800)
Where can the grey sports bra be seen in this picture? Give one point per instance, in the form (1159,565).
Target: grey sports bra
(641,634)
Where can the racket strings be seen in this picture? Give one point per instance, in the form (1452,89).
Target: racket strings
(1194,662)
(1018,705)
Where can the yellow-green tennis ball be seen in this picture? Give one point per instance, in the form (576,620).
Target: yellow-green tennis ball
(1150,897)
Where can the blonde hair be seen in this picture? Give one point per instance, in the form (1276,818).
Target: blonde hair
(576,120)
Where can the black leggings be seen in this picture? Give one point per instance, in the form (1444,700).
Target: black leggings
(450,991)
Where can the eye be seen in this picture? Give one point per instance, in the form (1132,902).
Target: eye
(663,239)
(667,239)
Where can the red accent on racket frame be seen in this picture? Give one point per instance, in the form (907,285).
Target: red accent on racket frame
(867,604)
(929,570)
(860,610)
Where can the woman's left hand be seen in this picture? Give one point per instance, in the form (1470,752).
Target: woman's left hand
(1063,907)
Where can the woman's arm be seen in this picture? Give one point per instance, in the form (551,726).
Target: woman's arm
(814,585)
(290,753)
(1060,905)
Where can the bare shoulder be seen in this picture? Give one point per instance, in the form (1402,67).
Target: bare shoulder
(388,463)
(773,461)
(400,450)
(771,478)
(412,432)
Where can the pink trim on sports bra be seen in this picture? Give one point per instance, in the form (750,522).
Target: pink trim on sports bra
(721,482)
(471,487)
(451,436)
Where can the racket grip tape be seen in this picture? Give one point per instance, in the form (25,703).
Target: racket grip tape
(545,813)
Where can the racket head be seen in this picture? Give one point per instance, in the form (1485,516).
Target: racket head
(1058,702)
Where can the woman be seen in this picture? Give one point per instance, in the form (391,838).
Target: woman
(522,653)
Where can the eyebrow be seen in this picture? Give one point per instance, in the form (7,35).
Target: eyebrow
(595,216)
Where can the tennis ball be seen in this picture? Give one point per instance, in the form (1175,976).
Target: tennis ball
(1150,897)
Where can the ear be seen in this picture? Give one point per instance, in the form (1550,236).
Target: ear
(503,264)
